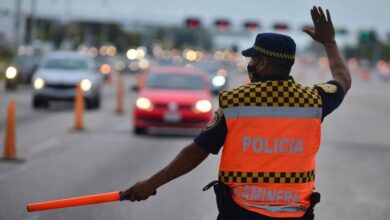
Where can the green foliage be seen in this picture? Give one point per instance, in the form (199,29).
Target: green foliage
(5,55)
(133,39)
(369,51)
(5,58)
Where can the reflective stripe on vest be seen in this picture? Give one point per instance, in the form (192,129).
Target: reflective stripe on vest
(266,177)
(275,112)
(279,208)
(268,159)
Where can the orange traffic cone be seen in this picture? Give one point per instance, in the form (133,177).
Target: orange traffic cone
(78,109)
(120,94)
(10,133)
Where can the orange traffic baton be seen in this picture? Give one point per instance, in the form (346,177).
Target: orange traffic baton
(74,201)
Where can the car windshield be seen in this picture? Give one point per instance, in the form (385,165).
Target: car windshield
(66,64)
(27,61)
(175,81)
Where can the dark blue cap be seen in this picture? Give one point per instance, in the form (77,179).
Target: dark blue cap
(279,47)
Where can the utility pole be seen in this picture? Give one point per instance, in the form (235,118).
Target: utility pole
(17,15)
(33,23)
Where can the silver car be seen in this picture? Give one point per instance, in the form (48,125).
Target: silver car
(58,76)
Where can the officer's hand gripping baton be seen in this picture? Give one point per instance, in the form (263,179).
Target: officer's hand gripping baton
(74,201)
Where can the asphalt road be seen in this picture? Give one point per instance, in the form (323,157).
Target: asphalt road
(59,162)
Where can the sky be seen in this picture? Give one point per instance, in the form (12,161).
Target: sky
(351,14)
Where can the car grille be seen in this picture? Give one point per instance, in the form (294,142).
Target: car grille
(183,122)
(60,86)
(180,106)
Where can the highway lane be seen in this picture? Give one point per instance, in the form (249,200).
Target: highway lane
(355,154)
(104,129)
(23,97)
(352,163)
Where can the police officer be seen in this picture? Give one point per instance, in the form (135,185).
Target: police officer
(270,132)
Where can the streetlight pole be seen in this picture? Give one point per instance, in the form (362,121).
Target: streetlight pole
(17,15)
(33,23)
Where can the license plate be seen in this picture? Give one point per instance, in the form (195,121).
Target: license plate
(172,117)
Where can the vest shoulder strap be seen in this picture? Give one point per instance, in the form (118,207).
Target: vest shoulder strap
(328,88)
(272,94)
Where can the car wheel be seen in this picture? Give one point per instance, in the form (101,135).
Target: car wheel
(89,104)
(35,104)
(93,103)
(10,86)
(138,130)
(39,103)
(97,103)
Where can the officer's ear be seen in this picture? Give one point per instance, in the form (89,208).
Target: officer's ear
(262,64)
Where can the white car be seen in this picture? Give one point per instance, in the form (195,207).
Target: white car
(58,75)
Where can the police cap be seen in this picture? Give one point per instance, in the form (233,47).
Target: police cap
(278,47)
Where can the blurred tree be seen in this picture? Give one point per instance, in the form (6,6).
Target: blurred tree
(388,37)
(165,37)
(5,58)
(372,52)
(58,36)
(133,39)
(199,39)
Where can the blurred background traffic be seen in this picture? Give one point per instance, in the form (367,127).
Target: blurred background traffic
(130,36)
(172,59)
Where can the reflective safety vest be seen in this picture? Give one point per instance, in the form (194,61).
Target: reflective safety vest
(274,133)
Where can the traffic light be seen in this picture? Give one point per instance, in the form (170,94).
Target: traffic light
(281,27)
(222,24)
(367,36)
(192,23)
(251,26)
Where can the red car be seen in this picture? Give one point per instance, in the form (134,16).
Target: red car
(175,97)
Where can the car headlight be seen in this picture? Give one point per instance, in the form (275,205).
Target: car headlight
(144,104)
(203,106)
(143,64)
(86,84)
(218,81)
(11,72)
(119,65)
(105,69)
(39,83)
(133,66)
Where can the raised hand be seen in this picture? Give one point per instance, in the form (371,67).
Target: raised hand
(323,27)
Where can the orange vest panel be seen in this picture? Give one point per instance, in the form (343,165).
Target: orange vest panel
(268,159)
